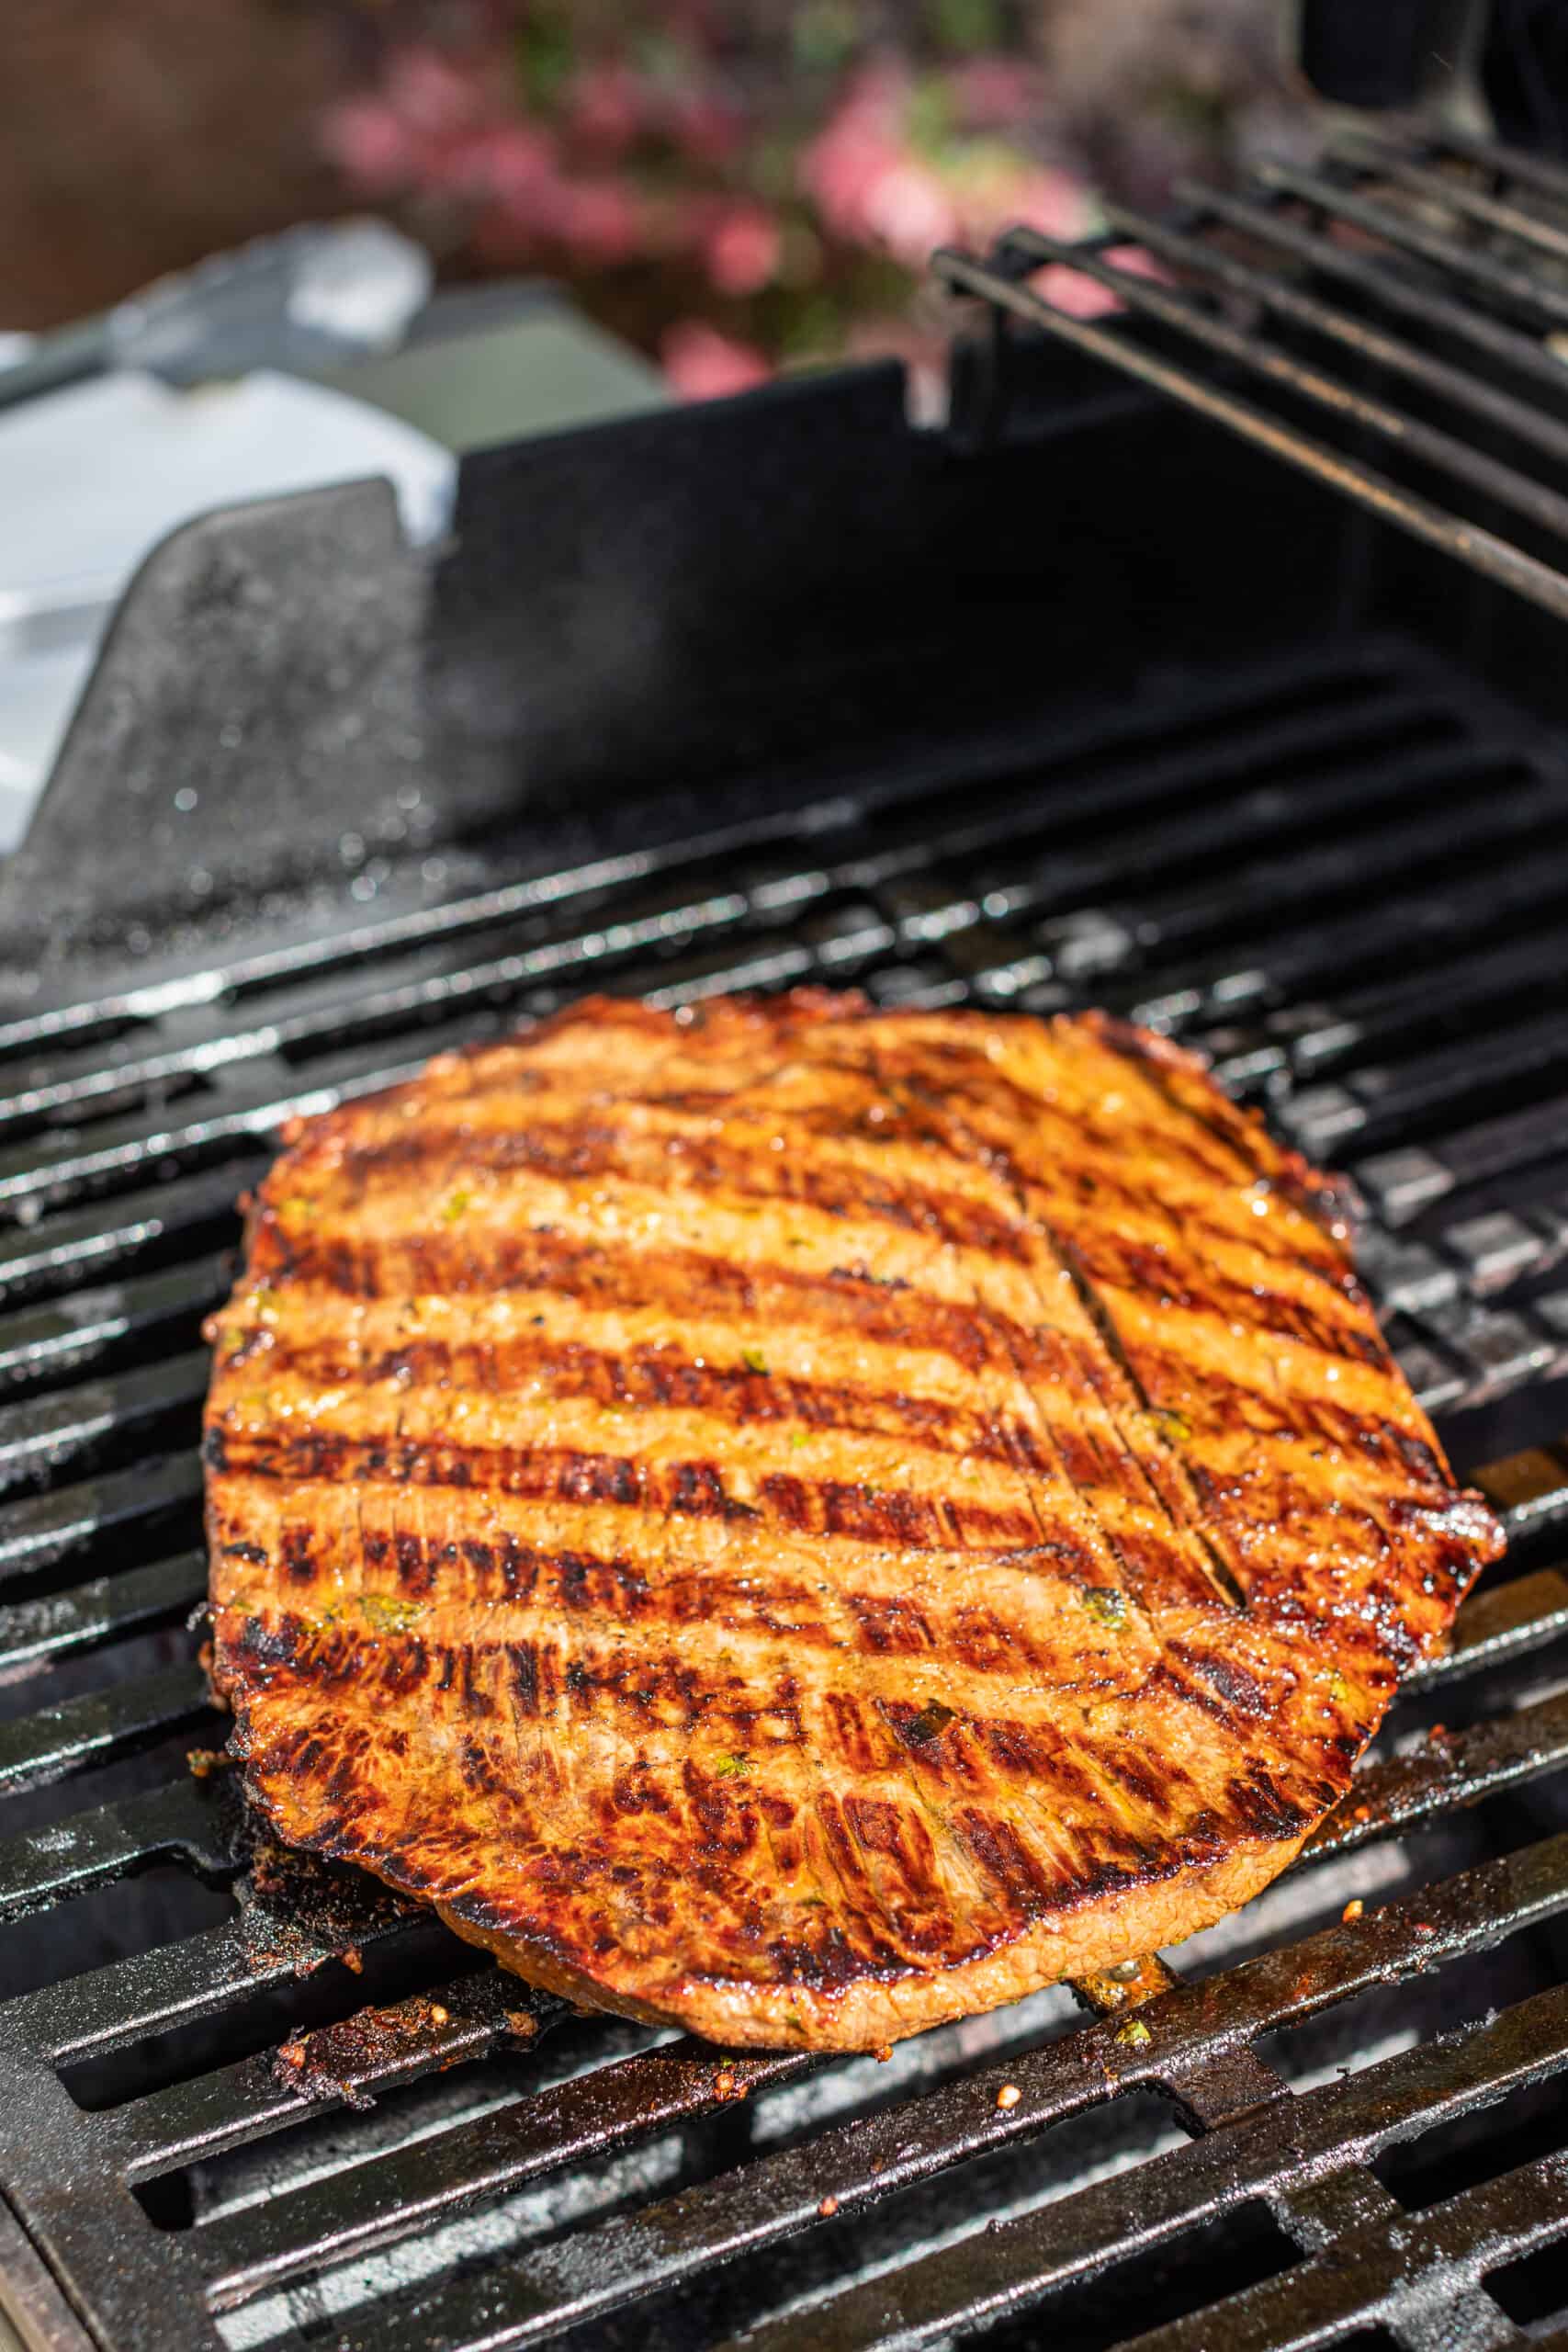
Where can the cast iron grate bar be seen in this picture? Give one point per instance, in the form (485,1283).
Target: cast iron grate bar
(1478,396)
(40,1260)
(1404,1181)
(1046,875)
(46,1345)
(1387,1012)
(124,1506)
(1271,2154)
(1420,300)
(47,1436)
(1315,2212)
(244,1114)
(1313,953)
(1496,558)
(212,2113)
(1385,1099)
(35,1632)
(1383,158)
(1502,164)
(39,1868)
(45,1746)
(1430,444)
(1181,917)
(1366,2278)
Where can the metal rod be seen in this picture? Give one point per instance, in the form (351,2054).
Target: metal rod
(1545,433)
(1495,557)
(1508,162)
(1367,151)
(1427,442)
(1423,303)
(1398,230)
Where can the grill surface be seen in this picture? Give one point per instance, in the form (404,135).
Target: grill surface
(1341,875)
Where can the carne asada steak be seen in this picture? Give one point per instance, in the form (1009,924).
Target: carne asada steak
(802,1521)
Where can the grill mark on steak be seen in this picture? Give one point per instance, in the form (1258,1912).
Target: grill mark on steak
(1327,1202)
(1084,1525)
(666,1701)
(820,1506)
(675,1720)
(663,1672)
(1022,1616)
(699,1164)
(1079,1171)
(1230,1585)
(688,1284)
(1112,1260)
(972,1088)
(656,1376)
(679,1282)
(650,1377)
(721,1174)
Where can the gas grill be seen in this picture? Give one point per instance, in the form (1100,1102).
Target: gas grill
(1253,733)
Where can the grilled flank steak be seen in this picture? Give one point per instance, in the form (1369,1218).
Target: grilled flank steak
(803,1521)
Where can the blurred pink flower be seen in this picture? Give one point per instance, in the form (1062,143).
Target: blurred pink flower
(676,221)
(742,250)
(703,364)
(599,219)
(704,124)
(997,93)
(859,144)
(1039,197)
(873,187)
(429,95)
(907,208)
(723,156)
(605,108)
(369,145)
(511,164)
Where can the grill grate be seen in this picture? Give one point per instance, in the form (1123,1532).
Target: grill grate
(1339,874)
(1396,415)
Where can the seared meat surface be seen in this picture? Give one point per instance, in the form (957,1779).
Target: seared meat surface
(803,1521)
